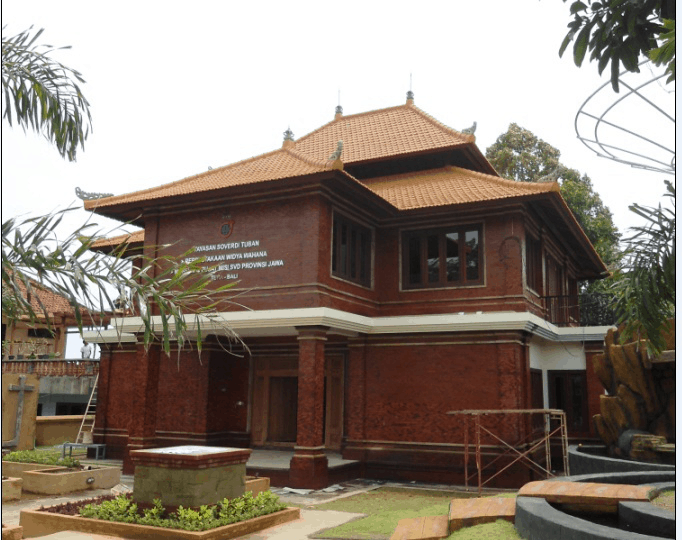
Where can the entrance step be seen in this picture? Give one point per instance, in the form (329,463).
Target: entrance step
(422,528)
(469,512)
(586,496)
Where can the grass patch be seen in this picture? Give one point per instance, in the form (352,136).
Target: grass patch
(500,530)
(386,506)
(666,500)
(42,457)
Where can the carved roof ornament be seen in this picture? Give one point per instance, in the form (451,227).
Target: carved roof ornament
(336,156)
(288,134)
(85,196)
(470,130)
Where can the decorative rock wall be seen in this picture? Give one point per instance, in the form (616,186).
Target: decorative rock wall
(640,400)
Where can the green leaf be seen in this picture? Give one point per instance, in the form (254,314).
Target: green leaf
(580,47)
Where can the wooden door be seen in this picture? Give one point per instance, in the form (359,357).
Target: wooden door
(282,413)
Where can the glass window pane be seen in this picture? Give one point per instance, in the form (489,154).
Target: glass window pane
(353,252)
(335,243)
(433,258)
(414,261)
(472,255)
(343,262)
(364,256)
(452,254)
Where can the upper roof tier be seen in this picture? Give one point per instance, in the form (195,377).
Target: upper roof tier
(370,136)
(383,133)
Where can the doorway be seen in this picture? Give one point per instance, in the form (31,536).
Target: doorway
(275,401)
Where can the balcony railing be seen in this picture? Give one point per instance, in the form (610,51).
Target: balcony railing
(581,310)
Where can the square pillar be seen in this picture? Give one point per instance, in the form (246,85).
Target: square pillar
(308,467)
(355,407)
(145,381)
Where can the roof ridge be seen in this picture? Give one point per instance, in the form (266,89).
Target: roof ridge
(364,113)
(305,159)
(533,186)
(452,131)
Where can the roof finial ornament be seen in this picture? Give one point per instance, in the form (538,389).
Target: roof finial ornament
(338,112)
(470,130)
(337,153)
(410,93)
(85,196)
(288,138)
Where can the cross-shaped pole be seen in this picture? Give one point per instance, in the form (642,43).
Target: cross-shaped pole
(21,388)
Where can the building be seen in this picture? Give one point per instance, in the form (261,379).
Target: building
(390,276)
(39,347)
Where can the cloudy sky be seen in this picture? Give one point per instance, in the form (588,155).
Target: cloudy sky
(175,89)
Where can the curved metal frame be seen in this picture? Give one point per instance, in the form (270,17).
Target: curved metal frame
(607,150)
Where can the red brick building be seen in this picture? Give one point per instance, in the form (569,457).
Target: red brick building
(397,280)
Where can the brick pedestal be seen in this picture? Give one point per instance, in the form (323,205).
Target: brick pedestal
(308,468)
(189,475)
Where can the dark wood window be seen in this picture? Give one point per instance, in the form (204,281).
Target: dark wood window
(537,400)
(534,264)
(43,333)
(351,251)
(568,391)
(443,257)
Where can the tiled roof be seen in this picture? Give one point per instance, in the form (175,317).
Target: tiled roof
(127,238)
(53,303)
(449,185)
(371,135)
(378,134)
(282,163)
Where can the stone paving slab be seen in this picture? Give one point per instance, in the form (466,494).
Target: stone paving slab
(470,512)
(421,528)
(587,496)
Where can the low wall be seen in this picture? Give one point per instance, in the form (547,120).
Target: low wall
(585,459)
(53,430)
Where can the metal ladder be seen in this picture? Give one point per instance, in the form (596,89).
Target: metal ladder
(88,422)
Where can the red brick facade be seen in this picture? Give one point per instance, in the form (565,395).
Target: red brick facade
(390,394)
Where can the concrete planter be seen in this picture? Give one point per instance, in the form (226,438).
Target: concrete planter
(11,489)
(12,532)
(59,480)
(256,484)
(17,470)
(37,523)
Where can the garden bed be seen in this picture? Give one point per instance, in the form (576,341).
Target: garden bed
(12,532)
(65,517)
(11,488)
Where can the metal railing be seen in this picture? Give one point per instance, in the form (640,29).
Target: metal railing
(593,309)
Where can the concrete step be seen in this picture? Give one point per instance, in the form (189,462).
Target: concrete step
(469,512)
(586,496)
(422,528)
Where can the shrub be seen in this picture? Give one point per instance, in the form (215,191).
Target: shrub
(41,457)
(226,512)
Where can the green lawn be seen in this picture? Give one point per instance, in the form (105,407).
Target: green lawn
(384,507)
(666,500)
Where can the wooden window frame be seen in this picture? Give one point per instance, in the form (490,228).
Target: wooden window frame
(534,279)
(356,264)
(423,238)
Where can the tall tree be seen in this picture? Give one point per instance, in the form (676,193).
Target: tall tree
(520,155)
(43,94)
(620,32)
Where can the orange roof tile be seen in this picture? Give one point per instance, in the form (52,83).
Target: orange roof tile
(52,302)
(282,163)
(382,133)
(127,238)
(449,185)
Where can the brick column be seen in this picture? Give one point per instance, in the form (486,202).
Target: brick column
(308,467)
(355,407)
(100,427)
(145,381)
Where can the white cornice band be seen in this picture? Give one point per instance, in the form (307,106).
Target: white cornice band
(284,322)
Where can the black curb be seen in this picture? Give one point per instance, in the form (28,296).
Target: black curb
(647,518)
(536,519)
(581,461)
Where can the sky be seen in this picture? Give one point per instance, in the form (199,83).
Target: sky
(175,89)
